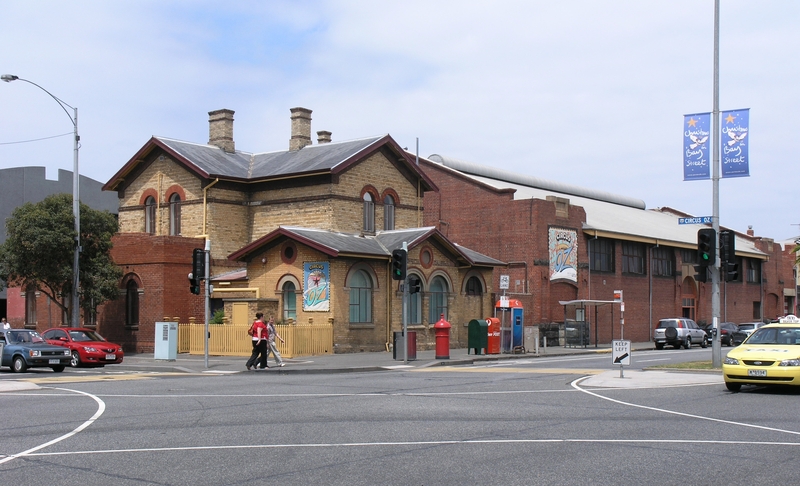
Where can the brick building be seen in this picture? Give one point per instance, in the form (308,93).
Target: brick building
(564,243)
(305,234)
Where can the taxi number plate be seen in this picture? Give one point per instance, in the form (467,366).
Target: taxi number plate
(54,361)
(761,373)
(111,357)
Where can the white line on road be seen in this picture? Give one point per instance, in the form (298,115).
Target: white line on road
(101,407)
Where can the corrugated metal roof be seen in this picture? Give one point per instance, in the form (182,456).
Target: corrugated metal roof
(606,216)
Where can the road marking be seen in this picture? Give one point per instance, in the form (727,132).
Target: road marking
(101,407)
(506,369)
(91,378)
(576,384)
(737,443)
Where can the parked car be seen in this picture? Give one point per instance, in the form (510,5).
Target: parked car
(770,356)
(727,329)
(747,328)
(679,331)
(86,346)
(24,348)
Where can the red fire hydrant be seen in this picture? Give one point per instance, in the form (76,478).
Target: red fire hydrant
(442,332)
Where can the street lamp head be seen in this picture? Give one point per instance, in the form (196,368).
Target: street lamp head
(9,77)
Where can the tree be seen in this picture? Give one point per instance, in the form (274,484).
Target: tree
(39,251)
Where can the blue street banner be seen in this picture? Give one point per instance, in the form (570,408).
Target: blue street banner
(696,154)
(735,130)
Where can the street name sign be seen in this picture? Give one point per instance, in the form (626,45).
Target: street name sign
(697,220)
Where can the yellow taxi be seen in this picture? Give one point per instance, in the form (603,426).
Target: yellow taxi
(769,356)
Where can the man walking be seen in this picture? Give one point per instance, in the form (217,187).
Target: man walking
(273,333)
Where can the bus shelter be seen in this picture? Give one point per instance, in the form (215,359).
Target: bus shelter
(580,326)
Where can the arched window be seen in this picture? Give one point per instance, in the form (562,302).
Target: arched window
(175,214)
(474,286)
(150,215)
(131,303)
(415,305)
(360,297)
(369,213)
(438,300)
(388,212)
(289,301)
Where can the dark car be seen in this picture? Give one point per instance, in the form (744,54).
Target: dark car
(727,331)
(86,346)
(24,348)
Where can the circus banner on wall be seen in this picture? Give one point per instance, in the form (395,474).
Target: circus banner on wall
(316,295)
(563,249)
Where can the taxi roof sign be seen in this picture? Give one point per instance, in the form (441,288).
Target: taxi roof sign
(790,319)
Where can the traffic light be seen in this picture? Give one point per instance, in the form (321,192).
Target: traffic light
(707,247)
(194,285)
(701,274)
(199,263)
(414,284)
(727,246)
(731,271)
(399,264)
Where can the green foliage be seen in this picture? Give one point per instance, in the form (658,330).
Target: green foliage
(39,251)
(218,317)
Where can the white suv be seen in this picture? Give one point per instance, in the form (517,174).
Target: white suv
(678,332)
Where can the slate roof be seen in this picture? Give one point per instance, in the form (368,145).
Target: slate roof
(607,214)
(336,244)
(210,161)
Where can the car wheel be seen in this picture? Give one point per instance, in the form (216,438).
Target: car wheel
(704,344)
(59,368)
(76,360)
(19,365)
(659,345)
(734,387)
(688,343)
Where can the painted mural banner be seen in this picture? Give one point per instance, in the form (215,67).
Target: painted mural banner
(316,295)
(563,249)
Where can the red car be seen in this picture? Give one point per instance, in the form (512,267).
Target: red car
(87,347)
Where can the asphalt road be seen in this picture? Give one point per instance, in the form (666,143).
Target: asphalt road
(528,422)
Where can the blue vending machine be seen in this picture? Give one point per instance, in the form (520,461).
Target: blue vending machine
(511,315)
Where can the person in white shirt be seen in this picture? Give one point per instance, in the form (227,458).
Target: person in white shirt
(271,347)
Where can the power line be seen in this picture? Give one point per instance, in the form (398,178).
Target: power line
(36,139)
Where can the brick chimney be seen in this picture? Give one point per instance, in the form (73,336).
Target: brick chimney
(220,129)
(323,137)
(301,128)
(750,231)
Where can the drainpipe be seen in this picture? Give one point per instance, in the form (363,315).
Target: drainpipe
(388,304)
(205,206)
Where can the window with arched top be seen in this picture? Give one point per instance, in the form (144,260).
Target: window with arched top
(360,285)
(473,286)
(131,303)
(289,292)
(150,215)
(388,212)
(175,214)
(369,213)
(438,299)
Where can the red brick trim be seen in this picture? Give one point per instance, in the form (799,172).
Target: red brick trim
(172,190)
(390,192)
(147,193)
(288,247)
(370,189)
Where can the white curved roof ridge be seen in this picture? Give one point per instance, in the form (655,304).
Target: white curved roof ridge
(525,180)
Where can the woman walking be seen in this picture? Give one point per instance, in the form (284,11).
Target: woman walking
(260,341)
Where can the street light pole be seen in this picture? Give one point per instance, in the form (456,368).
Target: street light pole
(76,208)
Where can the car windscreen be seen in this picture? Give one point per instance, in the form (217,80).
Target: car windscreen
(20,337)
(85,336)
(775,335)
(668,323)
(746,327)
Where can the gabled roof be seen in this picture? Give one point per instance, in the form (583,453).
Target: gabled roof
(211,162)
(379,246)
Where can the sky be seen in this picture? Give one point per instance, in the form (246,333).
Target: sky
(585,92)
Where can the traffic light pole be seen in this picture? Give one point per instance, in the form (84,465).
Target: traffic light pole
(208,294)
(405,310)
(716,347)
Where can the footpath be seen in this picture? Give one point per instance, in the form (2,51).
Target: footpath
(384,361)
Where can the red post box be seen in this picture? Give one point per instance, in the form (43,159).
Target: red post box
(442,331)
(493,342)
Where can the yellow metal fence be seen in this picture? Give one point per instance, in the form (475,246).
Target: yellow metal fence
(230,340)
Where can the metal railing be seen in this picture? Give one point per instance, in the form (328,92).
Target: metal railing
(230,340)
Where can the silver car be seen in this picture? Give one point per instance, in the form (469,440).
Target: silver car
(679,331)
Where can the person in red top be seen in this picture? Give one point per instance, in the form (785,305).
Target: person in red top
(260,341)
